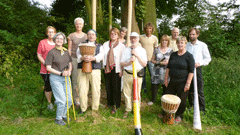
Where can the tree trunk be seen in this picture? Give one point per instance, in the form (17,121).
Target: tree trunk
(99,13)
(150,14)
(124,15)
(89,11)
(110,14)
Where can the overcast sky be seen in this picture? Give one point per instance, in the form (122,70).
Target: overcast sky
(49,2)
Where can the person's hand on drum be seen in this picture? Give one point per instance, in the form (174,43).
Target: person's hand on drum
(166,82)
(88,58)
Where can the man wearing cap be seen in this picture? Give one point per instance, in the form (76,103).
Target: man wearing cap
(94,78)
(133,53)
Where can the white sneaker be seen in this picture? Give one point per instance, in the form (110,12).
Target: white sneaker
(150,103)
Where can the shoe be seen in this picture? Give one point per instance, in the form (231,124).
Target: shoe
(178,119)
(125,115)
(77,103)
(60,122)
(150,103)
(160,116)
(51,107)
(65,118)
(113,110)
(80,112)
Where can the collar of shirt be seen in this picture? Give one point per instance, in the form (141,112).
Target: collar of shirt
(147,36)
(197,42)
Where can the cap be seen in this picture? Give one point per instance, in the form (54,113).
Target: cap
(134,34)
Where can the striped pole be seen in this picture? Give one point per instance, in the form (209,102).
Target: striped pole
(136,102)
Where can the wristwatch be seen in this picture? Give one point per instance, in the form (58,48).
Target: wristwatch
(61,73)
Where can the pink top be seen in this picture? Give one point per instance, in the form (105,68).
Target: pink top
(43,48)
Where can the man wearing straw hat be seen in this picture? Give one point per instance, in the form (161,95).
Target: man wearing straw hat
(130,54)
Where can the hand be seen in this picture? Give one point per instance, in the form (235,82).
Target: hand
(134,53)
(88,58)
(197,65)
(166,82)
(165,62)
(121,73)
(186,88)
(133,58)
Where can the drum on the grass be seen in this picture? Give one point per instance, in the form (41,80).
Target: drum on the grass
(170,104)
(87,49)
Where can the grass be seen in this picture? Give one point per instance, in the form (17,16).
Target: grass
(20,104)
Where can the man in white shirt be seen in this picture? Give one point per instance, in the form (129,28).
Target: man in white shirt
(202,57)
(130,54)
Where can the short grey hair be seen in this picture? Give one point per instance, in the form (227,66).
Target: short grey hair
(60,33)
(123,29)
(78,18)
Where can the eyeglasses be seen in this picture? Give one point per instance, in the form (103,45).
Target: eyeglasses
(59,38)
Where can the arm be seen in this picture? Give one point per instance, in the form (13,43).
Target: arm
(141,61)
(188,83)
(206,56)
(69,45)
(40,58)
(166,77)
(79,56)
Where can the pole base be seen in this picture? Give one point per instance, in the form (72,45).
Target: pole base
(138,131)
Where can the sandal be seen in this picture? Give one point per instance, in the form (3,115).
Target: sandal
(178,119)
(150,103)
(125,115)
(113,110)
(160,116)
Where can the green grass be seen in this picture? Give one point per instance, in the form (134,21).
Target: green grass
(20,104)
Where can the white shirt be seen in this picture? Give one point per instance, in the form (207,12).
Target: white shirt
(117,55)
(98,57)
(200,52)
(126,55)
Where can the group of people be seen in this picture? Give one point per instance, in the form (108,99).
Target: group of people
(170,63)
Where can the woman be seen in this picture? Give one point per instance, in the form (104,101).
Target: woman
(44,47)
(180,70)
(123,33)
(93,78)
(59,64)
(74,39)
(160,60)
(113,71)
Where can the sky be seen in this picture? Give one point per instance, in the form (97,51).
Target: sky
(49,2)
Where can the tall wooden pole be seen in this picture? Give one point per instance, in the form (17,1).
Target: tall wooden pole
(110,14)
(94,5)
(129,22)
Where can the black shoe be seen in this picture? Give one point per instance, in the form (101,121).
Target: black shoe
(80,112)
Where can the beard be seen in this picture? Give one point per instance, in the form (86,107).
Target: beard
(193,39)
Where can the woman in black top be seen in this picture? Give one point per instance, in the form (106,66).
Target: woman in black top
(180,70)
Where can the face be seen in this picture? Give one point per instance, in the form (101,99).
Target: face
(149,30)
(175,33)
(181,45)
(91,36)
(164,42)
(193,35)
(134,40)
(50,33)
(59,40)
(123,33)
(79,25)
(113,36)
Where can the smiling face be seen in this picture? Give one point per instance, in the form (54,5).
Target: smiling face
(59,40)
(79,25)
(113,36)
(91,36)
(123,33)
(193,35)
(164,42)
(175,33)
(50,33)
(181,45)
(149,30)
(134,40)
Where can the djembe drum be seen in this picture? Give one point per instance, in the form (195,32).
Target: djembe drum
(170,104)
(87,49)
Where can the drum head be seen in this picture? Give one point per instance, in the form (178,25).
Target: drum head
(171,99)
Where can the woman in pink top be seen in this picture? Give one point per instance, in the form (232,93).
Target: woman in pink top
(44,47)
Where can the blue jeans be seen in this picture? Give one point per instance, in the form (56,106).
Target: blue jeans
(58,85)
(150,66)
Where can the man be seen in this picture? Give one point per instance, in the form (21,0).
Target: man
(94,78)
(202,57)
(130,54)
(149,42)
(173,38)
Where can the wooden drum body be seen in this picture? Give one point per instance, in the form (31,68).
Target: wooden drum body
(170,104)
(87,49)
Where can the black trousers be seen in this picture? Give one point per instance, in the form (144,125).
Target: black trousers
(200,84)
(178,88)
(47,86)
(154,89)
(113,87)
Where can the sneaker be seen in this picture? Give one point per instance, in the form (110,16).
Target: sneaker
(178,119)
(50,107)
(60,122)
(150,103)
(65,118)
